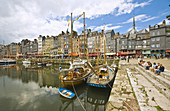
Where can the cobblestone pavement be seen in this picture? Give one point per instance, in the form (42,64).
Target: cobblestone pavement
(133,92)
(122,96)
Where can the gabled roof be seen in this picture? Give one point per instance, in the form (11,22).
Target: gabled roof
(109,31)
(143,31)
(132,31)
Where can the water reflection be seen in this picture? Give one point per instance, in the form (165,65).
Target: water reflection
(36,88)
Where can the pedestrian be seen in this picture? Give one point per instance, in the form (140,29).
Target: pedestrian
(128,58)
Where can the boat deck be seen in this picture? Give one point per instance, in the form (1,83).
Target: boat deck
(101,78)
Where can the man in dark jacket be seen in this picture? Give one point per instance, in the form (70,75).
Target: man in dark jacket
(161,69)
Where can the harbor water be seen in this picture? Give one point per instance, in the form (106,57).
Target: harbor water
(35,88)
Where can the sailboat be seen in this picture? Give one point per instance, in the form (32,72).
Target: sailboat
(105,75)
(79,69)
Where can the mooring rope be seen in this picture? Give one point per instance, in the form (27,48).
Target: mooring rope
(78,98)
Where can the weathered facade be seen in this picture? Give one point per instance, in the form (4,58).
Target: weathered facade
(110,41)
(159,40)
(41,43)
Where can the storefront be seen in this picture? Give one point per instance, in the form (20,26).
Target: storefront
(146,53)
(158,53)
(168,53)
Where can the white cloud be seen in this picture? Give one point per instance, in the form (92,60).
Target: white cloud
(106,27)
(137,18)
(20,19)
(150,18)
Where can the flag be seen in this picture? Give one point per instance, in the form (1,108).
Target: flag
(78,17)
(68,22)
(87,52)
(64,44)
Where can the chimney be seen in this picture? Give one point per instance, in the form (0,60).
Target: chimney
(164,23)
(90,30)
(102,32)
(62,32)
(149,28)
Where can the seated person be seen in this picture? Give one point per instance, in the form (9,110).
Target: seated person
(161,69)
(155,66)
(140,62)
(148,65)
(144,64)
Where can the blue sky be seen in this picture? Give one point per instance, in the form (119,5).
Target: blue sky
(27,19)
(151,14)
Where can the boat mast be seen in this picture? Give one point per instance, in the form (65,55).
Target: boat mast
(97,56)
(104,47)
(71,40)
(84,32)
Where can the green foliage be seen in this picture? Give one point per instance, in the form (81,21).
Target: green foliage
(159,108)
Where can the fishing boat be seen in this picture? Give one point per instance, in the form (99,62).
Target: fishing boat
(76,74)
(41,64)
(105,75)
(26,62)
(7,61)
(104,78)
(66,93)
(79,69)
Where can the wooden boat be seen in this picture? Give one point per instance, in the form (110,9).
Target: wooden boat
(78,71)
(66,93)
(104,78)
(76,74)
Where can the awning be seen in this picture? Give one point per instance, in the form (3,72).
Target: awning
(74,54)
(167,50)
(121,54)
(9,56)
(110,53)
(94,54)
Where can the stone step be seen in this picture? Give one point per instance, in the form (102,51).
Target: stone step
(157,84)
(161,79)
(165,75)
(148,97)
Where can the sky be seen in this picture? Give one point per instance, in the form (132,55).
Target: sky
(27,19)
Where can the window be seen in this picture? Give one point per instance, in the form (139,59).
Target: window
(130,46)
(157,45)
(144,41)
(152,39)
(123,42)
(153,33)
(158,33)
(158,39)
(153,45)
(144,46)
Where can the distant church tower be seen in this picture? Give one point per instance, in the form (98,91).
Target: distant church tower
(134,21)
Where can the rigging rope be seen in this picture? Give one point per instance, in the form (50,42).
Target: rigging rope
(78,98)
